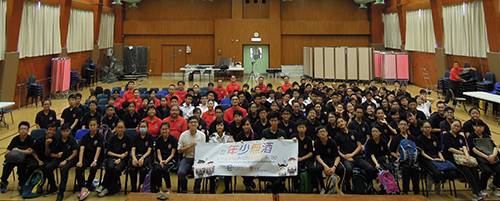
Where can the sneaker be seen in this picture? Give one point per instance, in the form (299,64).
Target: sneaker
(83,194)
(430,182)
(322,191)
(103,193)
(60,197)
(3,186)
(476,197)
(51,191)
(99,189)
(331,190)
(168,192)
(438,188)
(484,193)
(494,189)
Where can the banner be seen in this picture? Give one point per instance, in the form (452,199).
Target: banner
(268,158)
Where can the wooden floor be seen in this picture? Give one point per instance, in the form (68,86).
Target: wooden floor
(29,113)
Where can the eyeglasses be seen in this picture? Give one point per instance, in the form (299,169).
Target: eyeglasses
(193,122)
(403,124)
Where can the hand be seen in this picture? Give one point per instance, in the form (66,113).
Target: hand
(242,141)
(79,164)
(134,162)
(141,162)
(281,138)
(40,163)
(327,172)
(377,166)
(383,121)
(16,149)
(93,164)
(332,170)
(48,141)
(117,161)
(350,159)
(348,156)
(468,159)
(63,163)
(442,160)
(59,155)
(193,144)
(294,139)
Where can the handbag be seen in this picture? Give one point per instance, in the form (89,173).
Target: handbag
(15,157)
(486,146)
(443,166)
(460,160)
(384,163)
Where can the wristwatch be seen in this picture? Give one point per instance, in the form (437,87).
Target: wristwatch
(67,159)
(95,161)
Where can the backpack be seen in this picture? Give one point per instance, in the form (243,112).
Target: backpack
(305,185)
(99,90)
(34,185)
(360,184)
(388,183)
(106,133)
(146,185)
(408,151)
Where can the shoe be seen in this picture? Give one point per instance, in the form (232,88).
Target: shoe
(168,192)
(331,190)
(322,191)
(184,191)
(197,191)
(103,193)
(494,189)
(51,191)
(253,185)
(248,189)
(3,186)
(476,197)
(83,194)
(430,182)
(99,189)
(60,197)
(484,193)
(438,188)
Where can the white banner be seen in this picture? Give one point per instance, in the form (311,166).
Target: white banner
(269,158)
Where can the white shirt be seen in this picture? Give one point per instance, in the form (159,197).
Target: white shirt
(215,138)
(203,108)
(425,108)
(186,139)
(187,111)
(270,100)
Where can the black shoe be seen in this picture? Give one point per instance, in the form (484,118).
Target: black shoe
(253,185)
(197,191)
(60,197)
(52,190)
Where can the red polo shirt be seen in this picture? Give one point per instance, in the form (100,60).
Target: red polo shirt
(263,88)
(181,95)
(168,99)
(176,126)
(138,104)
(128,96)
(233,87)
(209,118)
(228,115)
(221,93)
(455,72)
(153,126)
(118,103)
(286,87)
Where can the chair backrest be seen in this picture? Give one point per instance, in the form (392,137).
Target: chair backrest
(159,96)
(58,133)
(58,122)
(31,80)
(144,96)
(490,77)
(130,132)
(154,89)
(190,88)
(203,91)
(121,94)
(447,74)
(79,134)
(163,93)
(204,88)
(142,89)
(103,107)
(87,101)
(119,88)
(497,86)
(102,96)
(37,133)
(225,101)
(164,89)
(225,106)
(102,102)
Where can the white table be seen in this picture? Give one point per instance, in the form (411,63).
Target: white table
(189,69)
(3,105)
(239,71)
(489,97)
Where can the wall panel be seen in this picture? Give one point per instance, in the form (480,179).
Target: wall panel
(424,60)
(179,10)
(319,10)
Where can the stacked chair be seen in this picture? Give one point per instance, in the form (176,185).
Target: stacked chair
(34,91)
(487,84)
(472,78)
(444,83)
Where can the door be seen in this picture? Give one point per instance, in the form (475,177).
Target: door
(173,58)
(261,65)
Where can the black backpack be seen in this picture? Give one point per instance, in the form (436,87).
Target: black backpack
(106,134)
(360,184)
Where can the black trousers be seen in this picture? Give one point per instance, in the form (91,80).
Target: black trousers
(340,171)
(227,182)
(21,172)
(472,176)
(311,169)
(162,172)
(360,162)
(49,171)
(142,171)
(80,171)
(113,173)
(455,87)
(410,172)
(486,171)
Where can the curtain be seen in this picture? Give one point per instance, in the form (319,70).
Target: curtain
(80,31)
(40,31)
(465,29)
(392,34)
(106,30)
(3,15)
(420,31)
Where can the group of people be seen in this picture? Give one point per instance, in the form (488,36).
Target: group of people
(337,128)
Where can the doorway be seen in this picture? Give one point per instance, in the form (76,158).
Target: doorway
(173,58)
(261,65)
